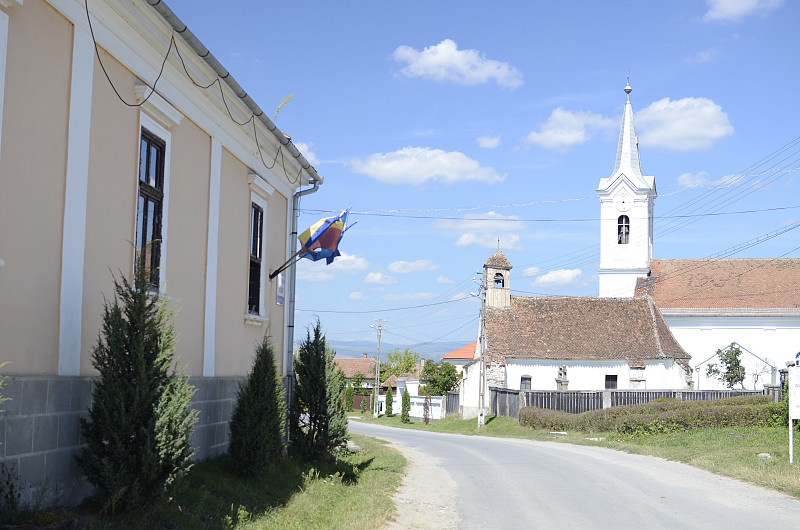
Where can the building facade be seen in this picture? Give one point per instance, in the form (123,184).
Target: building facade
(98,172)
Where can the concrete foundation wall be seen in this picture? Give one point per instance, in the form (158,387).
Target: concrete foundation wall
(40,430)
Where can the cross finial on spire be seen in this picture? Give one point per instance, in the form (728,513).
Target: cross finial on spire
(498,243)
(628,88)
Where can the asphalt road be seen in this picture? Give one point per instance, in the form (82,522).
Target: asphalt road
(506,483)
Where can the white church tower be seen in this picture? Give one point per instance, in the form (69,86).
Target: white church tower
(626,215)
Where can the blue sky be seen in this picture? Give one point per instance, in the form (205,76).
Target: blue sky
(447,125)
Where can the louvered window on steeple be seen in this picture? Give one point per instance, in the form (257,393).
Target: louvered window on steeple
(623,229)
(499,282)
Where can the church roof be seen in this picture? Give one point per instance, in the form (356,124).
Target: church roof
(580,328)
(627,161)
(498,260)
(465,352)
(723,283)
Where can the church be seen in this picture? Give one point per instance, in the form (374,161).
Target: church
(708,304)
(657,324)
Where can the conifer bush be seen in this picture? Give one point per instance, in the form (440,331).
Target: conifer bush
(406,407)
(389,400)
(256,426)
(318,421)
(140,423)
(348,398)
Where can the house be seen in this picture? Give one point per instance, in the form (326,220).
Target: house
(708,304)
(570,343)
(362,365)
(99,170)
(461,356)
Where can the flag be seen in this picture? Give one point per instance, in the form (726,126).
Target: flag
(321,240)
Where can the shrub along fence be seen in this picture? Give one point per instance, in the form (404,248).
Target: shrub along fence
(507,402)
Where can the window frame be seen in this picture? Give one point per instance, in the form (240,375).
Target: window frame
(522,380)
(163,135)
(623,229)
(612,378)
(257,317)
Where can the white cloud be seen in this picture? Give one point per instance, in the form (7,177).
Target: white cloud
(417,165)
(485,232)
(444,280)
(307,150)
(558,277)
(488,142)
(700,179)
(319,271)
(732,10)
(703,56)
(357,295)
(408,296)
(688,124)
(531,271)
(445,62)
(379,278)
(406,267)
(460,296)
(565,129)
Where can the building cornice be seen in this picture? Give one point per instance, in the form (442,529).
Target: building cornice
(778,312)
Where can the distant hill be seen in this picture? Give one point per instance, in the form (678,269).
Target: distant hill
(428,350)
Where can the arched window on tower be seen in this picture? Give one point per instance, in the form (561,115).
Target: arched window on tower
(499,282)
(623,229)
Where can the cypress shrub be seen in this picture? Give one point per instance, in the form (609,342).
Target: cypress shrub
(139,426)
(318,421)
(256,426)
(348,398)
(406,408)
(389,402)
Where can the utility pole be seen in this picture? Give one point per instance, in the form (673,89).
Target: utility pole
(379,326)
(481,353)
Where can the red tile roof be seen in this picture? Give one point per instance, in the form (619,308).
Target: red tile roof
(723,283)
(580,328)
(465,352)
(498,260)
(351,367)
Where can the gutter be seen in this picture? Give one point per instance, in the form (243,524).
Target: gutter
(203,52)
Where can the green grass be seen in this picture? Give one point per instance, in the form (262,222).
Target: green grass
(354,491)
(731,452)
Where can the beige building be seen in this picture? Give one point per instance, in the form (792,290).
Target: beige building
(96,169)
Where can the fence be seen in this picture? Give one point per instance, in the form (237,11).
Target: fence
(452,404)
(507,402)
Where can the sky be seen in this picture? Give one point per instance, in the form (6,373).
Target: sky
(447,126)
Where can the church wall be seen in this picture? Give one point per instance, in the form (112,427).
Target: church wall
(663,375)
(582,375)
(774,339)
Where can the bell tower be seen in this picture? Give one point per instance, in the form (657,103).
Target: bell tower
(626,215)
(496,275)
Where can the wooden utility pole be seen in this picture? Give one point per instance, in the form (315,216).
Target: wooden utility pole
(379,326)
(481,358)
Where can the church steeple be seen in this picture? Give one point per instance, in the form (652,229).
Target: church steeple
(628,147)
(496,276)
(626,215)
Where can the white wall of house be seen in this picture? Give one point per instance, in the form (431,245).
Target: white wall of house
(469,390)
(458,363)
(664,375)
(775,339)
(582,375)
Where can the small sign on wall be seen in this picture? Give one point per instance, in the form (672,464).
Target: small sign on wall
(279,292)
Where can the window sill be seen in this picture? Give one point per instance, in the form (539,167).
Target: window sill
(251,319)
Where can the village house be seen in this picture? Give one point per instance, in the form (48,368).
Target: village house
(363,365)
(99,170)
(462,356)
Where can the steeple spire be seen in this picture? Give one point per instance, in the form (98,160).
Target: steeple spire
(628,148)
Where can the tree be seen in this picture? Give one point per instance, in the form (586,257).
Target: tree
(358,382)
(256,426)
(139,426)
(318,422)
(732,372)
(348,398)
(399,363)
(404,417)
(442,378)
(389,401)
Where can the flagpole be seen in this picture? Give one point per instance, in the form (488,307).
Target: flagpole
(286,264)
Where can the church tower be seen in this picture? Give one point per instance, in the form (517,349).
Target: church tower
(626,215)
(496,275)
